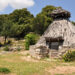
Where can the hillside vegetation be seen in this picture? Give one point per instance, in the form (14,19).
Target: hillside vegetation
(20,22)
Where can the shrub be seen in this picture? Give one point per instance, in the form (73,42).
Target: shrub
(9,42)
(4,70)
(6,48)
(69,56)
(0,44)
(27,44)
(30,39)
(18,49)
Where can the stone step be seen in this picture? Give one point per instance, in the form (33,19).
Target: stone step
(53,54)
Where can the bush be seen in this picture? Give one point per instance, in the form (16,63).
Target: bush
(69,56)
(0,44)
(18,49)
(27,44)
(4,70)
(30,39)
(6,48)
(9,42)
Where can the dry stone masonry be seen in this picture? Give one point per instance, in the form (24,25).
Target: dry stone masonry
(59,36)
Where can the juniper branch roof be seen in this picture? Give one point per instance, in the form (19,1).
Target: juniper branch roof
(60,13)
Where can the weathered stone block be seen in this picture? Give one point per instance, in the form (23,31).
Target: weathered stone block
(39,51)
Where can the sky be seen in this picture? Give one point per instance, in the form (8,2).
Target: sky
(35,6)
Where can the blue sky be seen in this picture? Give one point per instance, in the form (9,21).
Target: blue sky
(37,6)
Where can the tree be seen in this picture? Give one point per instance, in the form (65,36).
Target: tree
(39,24)
(1,22)
(22,22)
(73,22)
(47,10)
(7,29)
(43,20)
(20,16)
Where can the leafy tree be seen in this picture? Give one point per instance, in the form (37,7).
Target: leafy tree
(47,10)
(7,29)
(39,24)
(1,22)
(20,30)
(22,22)
(43,20)
(73,22)
(20,16)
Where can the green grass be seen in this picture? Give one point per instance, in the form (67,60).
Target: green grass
(18,66)
(4,70)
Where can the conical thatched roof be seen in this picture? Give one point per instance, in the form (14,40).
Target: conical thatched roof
(60,13)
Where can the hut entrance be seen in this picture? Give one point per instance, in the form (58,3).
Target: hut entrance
(54,43)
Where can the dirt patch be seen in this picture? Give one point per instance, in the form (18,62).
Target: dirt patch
(26,56)
(29,58)
(7,74)
(62,70)
(9,60)
(24,52)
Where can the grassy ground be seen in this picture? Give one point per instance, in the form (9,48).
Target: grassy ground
(19,66)
(20,63)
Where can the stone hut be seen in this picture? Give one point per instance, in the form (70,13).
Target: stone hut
(60,35)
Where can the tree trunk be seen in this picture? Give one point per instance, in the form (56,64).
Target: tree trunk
(5,39)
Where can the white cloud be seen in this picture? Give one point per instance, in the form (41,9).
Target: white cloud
(16,4)
(3,4)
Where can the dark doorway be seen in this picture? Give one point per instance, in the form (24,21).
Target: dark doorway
(54,43)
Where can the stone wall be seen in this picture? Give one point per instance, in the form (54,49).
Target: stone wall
(39,51)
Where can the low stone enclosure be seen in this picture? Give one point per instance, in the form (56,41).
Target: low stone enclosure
(57,39)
